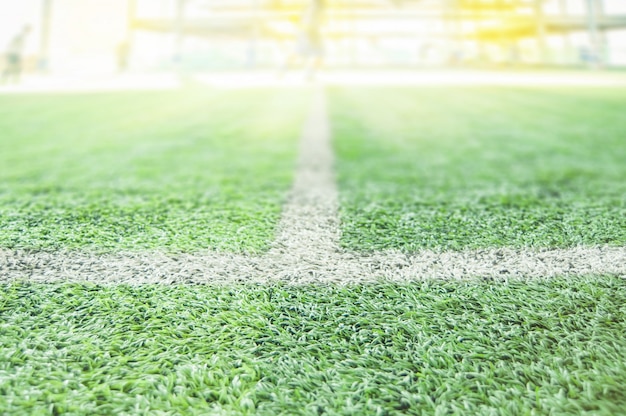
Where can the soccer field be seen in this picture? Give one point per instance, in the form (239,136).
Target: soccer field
(181,170)
(346,228)
(445,168)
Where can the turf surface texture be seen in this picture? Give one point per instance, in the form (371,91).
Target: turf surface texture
(178,171)
(538,347)
(417,168)
(471,168)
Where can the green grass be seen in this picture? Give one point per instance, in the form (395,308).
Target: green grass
(181,171)
(423,168)
(536,347)
(464,168)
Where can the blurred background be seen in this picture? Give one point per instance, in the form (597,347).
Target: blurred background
(142,36)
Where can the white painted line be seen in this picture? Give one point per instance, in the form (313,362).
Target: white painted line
(308,233)
(342,268)
(307,249)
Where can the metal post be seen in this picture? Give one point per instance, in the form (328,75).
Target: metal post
(541,31)
(251,59)
(602,45)
(179,30)
(599,6)
(567,42)
(454,28)
(44,45)
(124,49)
(592,29)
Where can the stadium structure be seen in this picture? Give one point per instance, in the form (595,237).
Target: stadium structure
(398,32)
(214,34)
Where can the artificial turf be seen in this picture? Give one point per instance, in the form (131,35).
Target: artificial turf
(181,170)
(466,168)
(433,347)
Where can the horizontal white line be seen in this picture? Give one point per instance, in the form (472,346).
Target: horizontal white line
(338,268)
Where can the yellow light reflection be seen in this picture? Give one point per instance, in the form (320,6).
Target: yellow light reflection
(96,37)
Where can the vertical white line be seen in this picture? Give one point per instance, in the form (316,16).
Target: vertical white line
(309,228)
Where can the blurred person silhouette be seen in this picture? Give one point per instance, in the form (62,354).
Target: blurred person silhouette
(14,59)
(309,50)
